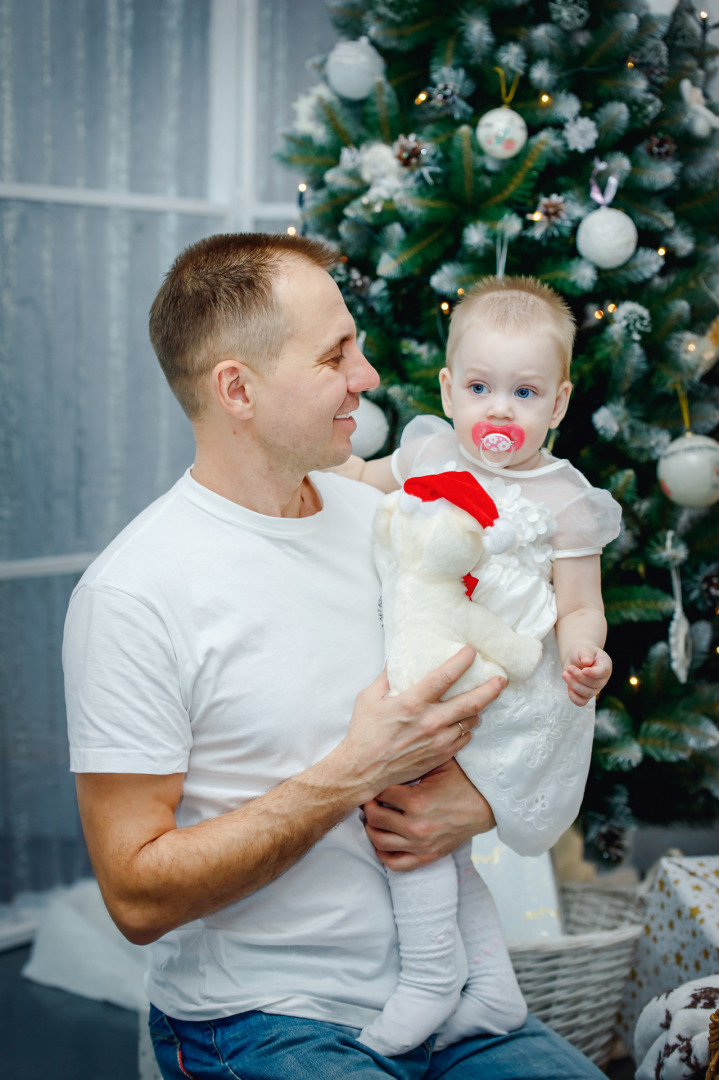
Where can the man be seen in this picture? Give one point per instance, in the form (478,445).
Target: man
(215,656)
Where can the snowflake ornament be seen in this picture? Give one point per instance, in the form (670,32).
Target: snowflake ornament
(581,134)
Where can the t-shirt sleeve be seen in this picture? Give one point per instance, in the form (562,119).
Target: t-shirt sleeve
(588,521)
(124,703)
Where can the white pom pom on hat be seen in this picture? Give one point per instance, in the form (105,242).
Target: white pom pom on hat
(463,490)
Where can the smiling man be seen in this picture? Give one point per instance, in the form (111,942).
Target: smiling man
(226,711)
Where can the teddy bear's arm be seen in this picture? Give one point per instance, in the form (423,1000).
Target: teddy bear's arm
(518,654)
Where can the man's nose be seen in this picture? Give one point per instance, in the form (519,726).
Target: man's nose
(362,375)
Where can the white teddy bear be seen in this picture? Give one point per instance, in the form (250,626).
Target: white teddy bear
(430,536)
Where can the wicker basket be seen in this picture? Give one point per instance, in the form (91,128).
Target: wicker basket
(574,983)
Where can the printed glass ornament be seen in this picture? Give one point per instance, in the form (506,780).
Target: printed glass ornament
(353,67)
(501,133)
(688,470)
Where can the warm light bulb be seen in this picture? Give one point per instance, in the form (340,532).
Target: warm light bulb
(633,680)
(460,292)
(598,314)
(545,99)
(630,63)
(291,230)
(537,215)
(661,251)
(445,306)
(691,346)
(302,187)
(420,98)
(703,14)
(611,307)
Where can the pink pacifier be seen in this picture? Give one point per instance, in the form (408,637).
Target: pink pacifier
(497,439)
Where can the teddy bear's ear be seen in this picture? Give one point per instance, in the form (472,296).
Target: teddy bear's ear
(382,519)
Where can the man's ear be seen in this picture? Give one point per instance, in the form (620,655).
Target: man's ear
(445,385)
(232,385)
(560,404)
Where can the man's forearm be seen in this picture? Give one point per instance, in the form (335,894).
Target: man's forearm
(189,873)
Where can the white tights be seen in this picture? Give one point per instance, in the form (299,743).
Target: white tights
(438,909)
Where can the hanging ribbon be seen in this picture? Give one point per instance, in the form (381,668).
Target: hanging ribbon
(610,190)
(683,405)
(506,97)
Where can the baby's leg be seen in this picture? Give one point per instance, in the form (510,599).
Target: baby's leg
(491,1002)
(431,974)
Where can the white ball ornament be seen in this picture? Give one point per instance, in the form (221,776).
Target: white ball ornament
(688,471)
(372,429)
(353,67)
(501,133)
(607,237)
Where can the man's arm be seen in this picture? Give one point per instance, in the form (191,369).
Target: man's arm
(155,877)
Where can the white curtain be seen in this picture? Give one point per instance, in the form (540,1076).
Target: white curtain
(109,135)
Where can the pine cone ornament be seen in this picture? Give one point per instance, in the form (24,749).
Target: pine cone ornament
(661,146)
(709,586)
(409,151)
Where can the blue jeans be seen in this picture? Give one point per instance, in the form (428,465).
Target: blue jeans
(259,1046)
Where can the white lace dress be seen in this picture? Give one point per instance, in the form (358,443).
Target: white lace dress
(532,740)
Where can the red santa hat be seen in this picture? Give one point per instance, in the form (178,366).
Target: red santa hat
(426,494)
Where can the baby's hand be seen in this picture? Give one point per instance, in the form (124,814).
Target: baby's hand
(587,670)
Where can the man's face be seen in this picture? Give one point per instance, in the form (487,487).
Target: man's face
(304,402)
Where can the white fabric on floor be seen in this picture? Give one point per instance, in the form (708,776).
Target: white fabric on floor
(78,948)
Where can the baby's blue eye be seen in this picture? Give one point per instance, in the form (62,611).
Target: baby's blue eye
(478,388)
(524,392)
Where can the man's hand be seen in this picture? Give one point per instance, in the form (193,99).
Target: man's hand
(394,738)
(411,825)
(587,670)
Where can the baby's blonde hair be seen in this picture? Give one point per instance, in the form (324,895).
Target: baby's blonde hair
(520,304)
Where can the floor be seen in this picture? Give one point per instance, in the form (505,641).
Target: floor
(49,1033)
(46,1032)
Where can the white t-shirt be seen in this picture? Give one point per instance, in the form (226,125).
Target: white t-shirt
(230,646)
(211,640)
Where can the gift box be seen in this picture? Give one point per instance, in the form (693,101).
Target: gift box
(680,941)
(522,886)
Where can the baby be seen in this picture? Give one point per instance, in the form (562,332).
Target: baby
(506,384)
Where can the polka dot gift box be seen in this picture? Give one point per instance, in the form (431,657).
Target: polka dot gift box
(680,942)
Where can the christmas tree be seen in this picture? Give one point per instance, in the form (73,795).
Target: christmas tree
(576,142)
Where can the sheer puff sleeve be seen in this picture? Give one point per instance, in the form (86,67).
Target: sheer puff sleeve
(587,518)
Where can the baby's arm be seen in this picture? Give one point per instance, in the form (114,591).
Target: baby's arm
(378,472)
(581,627)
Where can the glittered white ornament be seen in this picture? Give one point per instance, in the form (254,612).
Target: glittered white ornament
(607,237)
(353,67)
(372,428)
(688,470)
(501,133)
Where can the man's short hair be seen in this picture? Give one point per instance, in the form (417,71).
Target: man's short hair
(217,302)
(515,304)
